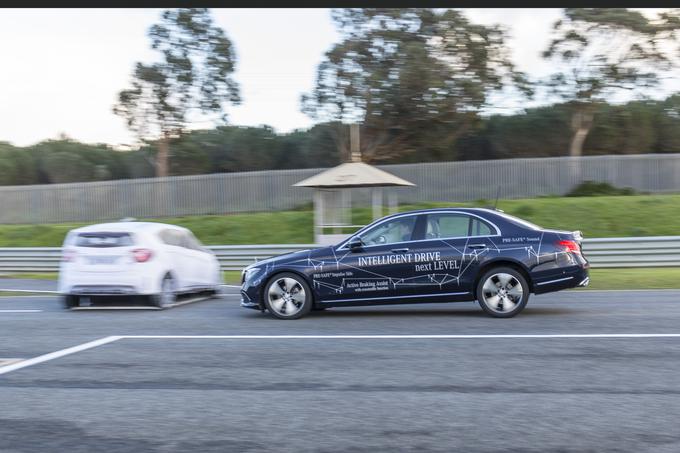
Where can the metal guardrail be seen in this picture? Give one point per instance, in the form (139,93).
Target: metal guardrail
(652,251)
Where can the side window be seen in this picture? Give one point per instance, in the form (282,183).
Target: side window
(171,237)
(447,226)
(480,228)
(397,230)
(189,241)
(195,243)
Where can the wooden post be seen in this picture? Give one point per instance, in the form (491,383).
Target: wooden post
(318,215)
(392,203)
(354,147)
(377,203)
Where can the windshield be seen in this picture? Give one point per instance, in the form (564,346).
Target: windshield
(103,239)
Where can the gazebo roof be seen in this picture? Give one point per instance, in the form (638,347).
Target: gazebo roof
(353,174)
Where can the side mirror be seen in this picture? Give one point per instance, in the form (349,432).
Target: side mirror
(355,244)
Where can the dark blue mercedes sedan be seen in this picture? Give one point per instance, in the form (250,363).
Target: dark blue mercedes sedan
(425,256)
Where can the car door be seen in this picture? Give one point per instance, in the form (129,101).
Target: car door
(377,269)
(454,243)
(204,270)
(194,264)
(176,256)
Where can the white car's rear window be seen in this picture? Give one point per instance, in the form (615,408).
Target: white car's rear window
(104,239)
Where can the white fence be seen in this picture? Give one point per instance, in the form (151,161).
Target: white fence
(654,251)
(272,190)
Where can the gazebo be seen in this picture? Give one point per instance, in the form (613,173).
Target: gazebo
(333,194)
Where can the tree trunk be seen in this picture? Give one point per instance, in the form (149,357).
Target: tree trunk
(162,156)
(581,122)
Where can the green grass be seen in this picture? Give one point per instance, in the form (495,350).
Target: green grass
(639,215)
(634,278)
(32,275)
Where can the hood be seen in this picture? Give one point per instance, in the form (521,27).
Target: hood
(291,256)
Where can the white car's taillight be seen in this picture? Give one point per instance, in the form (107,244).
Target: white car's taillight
(142,255)
(68,255)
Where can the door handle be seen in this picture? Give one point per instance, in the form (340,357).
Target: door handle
(477,246)
(399,250)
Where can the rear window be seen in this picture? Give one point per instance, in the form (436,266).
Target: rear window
(104,239)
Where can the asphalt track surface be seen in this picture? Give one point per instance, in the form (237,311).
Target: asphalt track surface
(470,391)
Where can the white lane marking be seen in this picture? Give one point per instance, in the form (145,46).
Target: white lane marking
(579,290)
(232,286)
(399,337)
(20,311)
(5,362)
(28,291)
(57,354)
(111,339)
(131,307)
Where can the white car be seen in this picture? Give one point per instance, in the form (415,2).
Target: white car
(135,258)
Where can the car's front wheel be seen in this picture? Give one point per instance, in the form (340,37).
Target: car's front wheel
(502,292)
(288,296)
(70,301)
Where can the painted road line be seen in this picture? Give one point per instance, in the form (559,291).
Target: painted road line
(14,290)
(58,354)
(113,307)
(111,339)
(398,337)
(20,311)
(5,362)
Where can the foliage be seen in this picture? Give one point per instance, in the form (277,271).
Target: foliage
(603,51)
(193,79)
(597,189)
(415,78)
(637,127)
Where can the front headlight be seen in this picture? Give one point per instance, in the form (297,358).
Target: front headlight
(248,273)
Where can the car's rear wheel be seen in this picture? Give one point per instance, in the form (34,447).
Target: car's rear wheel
(502,292)
(70,301)
(167,296)
(288,296)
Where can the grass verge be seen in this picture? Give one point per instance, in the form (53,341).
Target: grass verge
(611,216)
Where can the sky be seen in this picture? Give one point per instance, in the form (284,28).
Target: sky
(61,70)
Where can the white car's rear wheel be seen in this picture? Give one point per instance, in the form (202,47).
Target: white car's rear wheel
(168,295)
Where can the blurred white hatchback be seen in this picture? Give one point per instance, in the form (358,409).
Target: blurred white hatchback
(149,259)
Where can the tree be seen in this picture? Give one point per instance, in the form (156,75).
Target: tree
(415,78)
(602,52)
(192,80)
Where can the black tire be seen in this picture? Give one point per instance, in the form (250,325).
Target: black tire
(70,301)
(510,298)
(299,306)
(165,300)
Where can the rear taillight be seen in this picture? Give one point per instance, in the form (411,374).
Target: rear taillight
(142,255)
(569,246)
(68,255)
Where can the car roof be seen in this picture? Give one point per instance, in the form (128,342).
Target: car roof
(425,211)
(128,227)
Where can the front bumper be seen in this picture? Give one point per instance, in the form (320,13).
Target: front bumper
(247,302)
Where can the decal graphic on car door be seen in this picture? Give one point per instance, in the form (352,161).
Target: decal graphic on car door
(375,269)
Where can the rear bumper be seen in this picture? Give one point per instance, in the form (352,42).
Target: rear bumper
(569,278)
(103,290)
(94,283)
